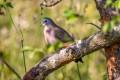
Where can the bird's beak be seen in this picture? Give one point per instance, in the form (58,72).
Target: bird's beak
(43,24)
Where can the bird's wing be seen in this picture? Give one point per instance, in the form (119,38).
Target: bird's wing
(62,35)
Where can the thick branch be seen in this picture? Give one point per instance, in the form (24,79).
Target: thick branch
(78,49)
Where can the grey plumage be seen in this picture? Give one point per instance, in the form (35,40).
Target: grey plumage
(53,32)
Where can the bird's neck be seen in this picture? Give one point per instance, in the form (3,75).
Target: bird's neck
(48,30)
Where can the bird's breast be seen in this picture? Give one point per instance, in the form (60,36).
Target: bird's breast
(49,35)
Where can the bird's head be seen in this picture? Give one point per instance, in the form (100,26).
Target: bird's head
(47,21)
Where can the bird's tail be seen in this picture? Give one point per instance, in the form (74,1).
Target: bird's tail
(80,59)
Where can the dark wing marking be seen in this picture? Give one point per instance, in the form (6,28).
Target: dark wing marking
(62,35)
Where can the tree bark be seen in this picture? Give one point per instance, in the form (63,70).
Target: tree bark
(112,52)
(109,41)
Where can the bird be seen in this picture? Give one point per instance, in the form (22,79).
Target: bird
(53,33)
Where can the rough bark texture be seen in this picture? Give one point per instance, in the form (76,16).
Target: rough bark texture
(113,61)
(112,52)
(81,48)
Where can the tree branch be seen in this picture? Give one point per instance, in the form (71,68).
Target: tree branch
(49,3)
(79,49)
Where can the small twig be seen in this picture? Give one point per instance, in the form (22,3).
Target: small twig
(12,69)
(78,71)
(18,29)
(52,3)
(98,27)
(22,44)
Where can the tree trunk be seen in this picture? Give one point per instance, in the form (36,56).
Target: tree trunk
(112,52)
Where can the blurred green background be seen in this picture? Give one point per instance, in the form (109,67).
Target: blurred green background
(72,15)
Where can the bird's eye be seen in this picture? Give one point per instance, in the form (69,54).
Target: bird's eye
(46,21)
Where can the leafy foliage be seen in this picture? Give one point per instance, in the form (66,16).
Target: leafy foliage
(7,4)
(115,4)
(108,26)
(70,15)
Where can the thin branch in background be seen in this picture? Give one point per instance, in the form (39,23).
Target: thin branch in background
(11,68)
(18,29)
(98,27)
(50,3)
(22,43)
(78,71)
(41,13)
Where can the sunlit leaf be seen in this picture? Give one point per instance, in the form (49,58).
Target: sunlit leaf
(27,48)
(70,15)
(31,55)
(57,45)
(117,4)
(1,5)
(108,26)
(49,48)
(108,2)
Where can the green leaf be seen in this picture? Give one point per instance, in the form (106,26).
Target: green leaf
(108,2)
(49,48)
(27,48)
(70,15)
(118,4)
(9,4)
(57,45)
(108,26)
(1,5)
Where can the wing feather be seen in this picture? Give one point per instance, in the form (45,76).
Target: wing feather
(63,35)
